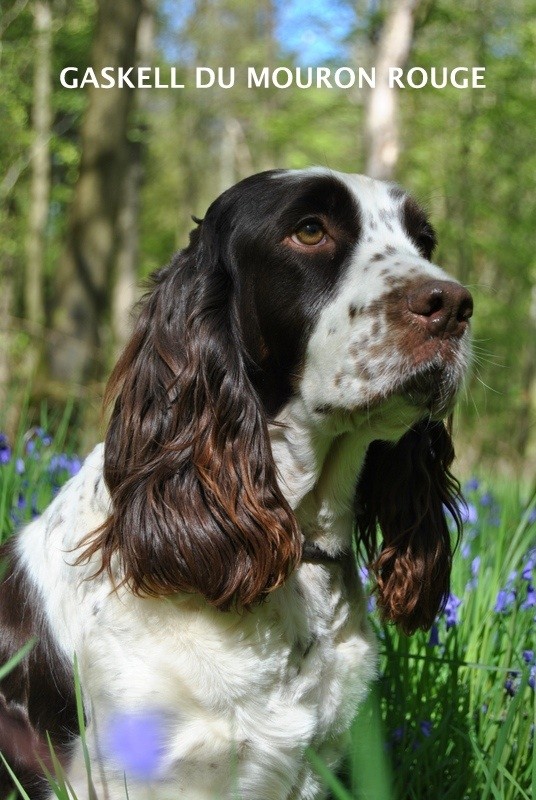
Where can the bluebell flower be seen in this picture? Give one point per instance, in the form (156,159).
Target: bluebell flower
(505,600)
(364,575)
(510,686)
(530,600)
(532,516)
(426,727)
(36,440)
(45,438)
(60,464)
(5,449)
(451,610)
(398,734)
(468,513)
(137,743)
(472,485)
(57,462)
(532,677)
(486,500)
(75,466)
(528,566)
(475,567)
(528,656)
(433,639)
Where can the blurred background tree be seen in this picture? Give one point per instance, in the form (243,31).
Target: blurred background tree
(97,187)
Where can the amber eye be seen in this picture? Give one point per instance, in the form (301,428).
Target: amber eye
(309,233)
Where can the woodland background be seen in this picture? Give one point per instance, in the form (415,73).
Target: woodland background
(97,186)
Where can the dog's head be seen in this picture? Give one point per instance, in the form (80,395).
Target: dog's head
(306,283)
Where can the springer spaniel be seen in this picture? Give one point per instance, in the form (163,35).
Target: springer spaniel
(285,385)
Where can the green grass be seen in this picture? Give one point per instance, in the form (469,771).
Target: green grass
(455,711)
(453,715)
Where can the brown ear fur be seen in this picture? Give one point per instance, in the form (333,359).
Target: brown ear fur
(404,488)
(195,502)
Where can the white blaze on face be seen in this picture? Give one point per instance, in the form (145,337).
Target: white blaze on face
(352,356)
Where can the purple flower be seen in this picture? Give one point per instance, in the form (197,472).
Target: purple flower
(74,466)
(433,640)
(505,600)
(530,600)
(472,485)
(5,449)
(451,610)
(64,463)
(528,656)
(475,567)
(398,734)
(426,727)
(36,439)
(532,677)
(532,516)
(468,513)
(486,500)
(364,575)
(528,566)
(46,439)
(137,742)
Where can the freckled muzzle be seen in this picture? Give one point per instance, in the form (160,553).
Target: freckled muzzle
(428,320)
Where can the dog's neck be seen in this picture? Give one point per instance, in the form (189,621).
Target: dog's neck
(319,460)
(318,466)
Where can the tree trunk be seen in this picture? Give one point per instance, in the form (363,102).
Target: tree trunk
(6,309)
(86,269)
(124,292)
(40,163)
(381,122)
(40,173)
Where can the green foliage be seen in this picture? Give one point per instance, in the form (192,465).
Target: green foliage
(33,468)
(468,154)
(71,47)
(458,705)
(454,710)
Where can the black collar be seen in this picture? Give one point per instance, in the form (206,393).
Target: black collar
(313,554)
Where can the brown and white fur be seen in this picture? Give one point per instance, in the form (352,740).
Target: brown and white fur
(285,387)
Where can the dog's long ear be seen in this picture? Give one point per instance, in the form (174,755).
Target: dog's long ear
(195,502)
(405,489)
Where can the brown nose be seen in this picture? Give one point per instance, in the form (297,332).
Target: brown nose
(444,307)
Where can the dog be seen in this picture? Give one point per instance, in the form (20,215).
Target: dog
(281,401)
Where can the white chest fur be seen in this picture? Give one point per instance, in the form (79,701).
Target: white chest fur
(241,696)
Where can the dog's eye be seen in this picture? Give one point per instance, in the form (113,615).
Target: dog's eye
(310,232)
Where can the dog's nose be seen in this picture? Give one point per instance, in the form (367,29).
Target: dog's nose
(444,307)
